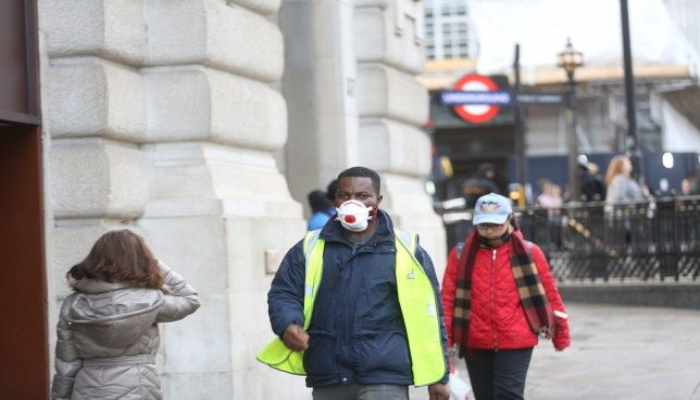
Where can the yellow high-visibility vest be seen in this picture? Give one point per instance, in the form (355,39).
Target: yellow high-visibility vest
(417,300)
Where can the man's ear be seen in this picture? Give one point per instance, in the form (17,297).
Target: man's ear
(379,200)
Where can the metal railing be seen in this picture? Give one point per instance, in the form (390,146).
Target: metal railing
(654,240)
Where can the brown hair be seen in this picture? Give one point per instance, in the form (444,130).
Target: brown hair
(614,168)
(120,256)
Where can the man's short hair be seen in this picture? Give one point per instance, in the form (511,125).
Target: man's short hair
(362,172)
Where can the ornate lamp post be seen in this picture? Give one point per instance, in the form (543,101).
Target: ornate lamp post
(569,60)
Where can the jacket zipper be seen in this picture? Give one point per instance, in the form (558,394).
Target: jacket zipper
(347,323)
(493,299)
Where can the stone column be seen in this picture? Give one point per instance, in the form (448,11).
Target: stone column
(320,88)
(347,58)
(162,119)
(393,106)
(94,117)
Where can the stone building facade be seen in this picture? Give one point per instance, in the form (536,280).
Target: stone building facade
(202,124)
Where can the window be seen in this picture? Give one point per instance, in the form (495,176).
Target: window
(447,29)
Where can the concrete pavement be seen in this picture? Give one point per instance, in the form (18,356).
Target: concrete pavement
(621,352)
(618,353)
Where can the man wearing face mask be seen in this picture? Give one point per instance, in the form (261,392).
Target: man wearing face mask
(356,306)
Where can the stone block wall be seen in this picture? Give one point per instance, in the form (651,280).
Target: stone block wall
(161,119)
(393,106)
(350,85)
(319,85)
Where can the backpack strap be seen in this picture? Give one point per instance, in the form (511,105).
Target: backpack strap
(529,246)
(460,247)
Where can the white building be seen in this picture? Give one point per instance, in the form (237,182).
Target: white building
(203,124)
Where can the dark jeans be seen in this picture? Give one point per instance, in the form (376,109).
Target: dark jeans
(499,375)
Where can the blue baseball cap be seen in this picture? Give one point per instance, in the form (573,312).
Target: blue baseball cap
(492,209)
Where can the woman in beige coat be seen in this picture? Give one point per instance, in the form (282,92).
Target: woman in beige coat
(108,328)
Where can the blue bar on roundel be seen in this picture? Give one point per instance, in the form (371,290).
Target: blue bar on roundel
(458,97)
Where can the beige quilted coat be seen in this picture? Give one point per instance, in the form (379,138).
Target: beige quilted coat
(108,337)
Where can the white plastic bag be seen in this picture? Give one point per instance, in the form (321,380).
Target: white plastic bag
(460,387)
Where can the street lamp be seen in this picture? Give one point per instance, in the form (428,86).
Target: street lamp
(569,60)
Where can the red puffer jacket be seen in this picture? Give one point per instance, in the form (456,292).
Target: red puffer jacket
(497,319)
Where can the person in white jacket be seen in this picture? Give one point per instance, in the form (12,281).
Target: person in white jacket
(108,328)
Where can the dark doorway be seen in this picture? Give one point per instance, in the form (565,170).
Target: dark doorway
(469,145)
(23,332)
(23,336)
(468,149)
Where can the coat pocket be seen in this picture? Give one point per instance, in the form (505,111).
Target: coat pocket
(383,352)
(319,357)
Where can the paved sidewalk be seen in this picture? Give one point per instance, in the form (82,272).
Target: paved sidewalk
(621,352)
(618,353)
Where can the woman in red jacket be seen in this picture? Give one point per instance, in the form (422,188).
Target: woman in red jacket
(498,296)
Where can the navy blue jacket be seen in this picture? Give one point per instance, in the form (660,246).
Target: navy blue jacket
(357,334)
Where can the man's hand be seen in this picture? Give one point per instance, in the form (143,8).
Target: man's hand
(439,391)
(295,338)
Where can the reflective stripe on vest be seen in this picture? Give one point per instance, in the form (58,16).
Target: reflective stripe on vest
(417,300)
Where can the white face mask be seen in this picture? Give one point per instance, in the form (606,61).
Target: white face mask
(354,216)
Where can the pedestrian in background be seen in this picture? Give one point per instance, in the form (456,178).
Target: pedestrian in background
(483,182)
(322,210)
(374,297)
(592,186)
(690,185)
(551,197)
(331,189)
(552,200)
(686,187)
(499,296)
(108,328)
(621,186)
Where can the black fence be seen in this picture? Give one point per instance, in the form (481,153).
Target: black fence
(655,240)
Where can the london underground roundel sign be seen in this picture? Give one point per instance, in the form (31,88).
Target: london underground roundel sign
(476,113)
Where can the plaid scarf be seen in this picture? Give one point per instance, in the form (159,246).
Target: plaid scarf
(533,298)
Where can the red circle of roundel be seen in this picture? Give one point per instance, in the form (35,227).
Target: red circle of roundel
(492,109)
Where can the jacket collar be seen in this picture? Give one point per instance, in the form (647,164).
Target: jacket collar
(333,231)
(506,243)
(93,286)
